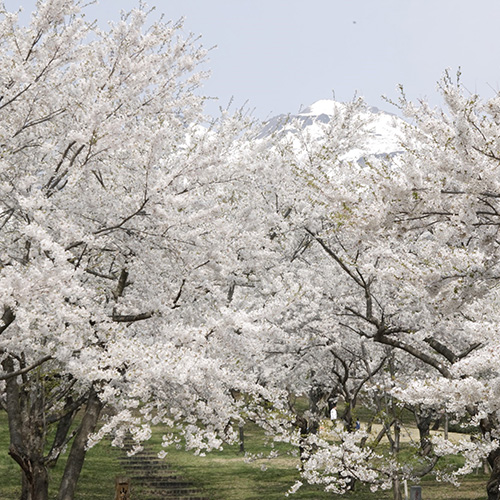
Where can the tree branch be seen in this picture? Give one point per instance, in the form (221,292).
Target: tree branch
(122,283)
(8,318)
(336,258)
(429,360)
(27,369)
(131,318)
(441,349)
(126,219)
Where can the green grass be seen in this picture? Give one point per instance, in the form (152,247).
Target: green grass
(97,480)
(9,470)
(223,475)
(226,475)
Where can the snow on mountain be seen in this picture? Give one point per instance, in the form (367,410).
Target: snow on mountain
(383,130)
(323,107)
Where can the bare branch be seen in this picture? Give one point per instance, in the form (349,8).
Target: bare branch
(40,120)
(131,318)
(8,214)
(441,349)
(429,360)
(467,351)
(125,220)
(27,369)
(178,296)
(122,283)
(8,318)
(100,275)
(336,258)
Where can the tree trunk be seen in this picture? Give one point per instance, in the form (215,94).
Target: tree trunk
(24,487)
(27,435)
(395,448)
(396,489)
(492,488)
(241,431)
(301,424)
(35,485)
(424,429)
(62,431)
(39,483)
(79,447)
(347,416)
(493,485)
(317,402)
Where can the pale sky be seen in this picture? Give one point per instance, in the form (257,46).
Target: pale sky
(279,55)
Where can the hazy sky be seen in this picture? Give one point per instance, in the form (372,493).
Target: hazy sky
(280,55)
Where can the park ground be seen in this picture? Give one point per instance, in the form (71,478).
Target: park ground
(226,474)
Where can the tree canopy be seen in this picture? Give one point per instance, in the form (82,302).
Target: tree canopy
(160,266)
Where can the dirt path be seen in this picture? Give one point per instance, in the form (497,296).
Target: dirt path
(408,434)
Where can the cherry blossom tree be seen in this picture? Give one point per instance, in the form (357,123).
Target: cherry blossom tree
(399,254)
(452,207)
(113,224)
(288,297)
(414,245)
(153,269)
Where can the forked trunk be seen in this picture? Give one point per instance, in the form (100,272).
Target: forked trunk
(36,486)
(27,435)
(424,430)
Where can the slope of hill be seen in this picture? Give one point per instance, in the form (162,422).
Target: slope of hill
(383,130)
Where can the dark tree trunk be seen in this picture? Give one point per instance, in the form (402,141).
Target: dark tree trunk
(493,485)
(26,412)
(424,428)
(24,487)
(241,431)
(62,431)
(27,435)
(347,416)
(79,447)
(301,424)
(35,486)
(396,489)
(39,484)
(317,403)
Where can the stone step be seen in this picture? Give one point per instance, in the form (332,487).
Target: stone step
(138,456)
(166,488)
(165,480)
(172,494)
(161,496)
(146,476)
(146,464)
(147,467)
(156,480)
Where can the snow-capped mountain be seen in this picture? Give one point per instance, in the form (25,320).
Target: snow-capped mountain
(383,130)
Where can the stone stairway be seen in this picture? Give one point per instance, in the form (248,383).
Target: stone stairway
(152,479)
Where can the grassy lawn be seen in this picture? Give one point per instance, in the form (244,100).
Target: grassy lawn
(226,475)
(9,470)
(97,481)
(223,475)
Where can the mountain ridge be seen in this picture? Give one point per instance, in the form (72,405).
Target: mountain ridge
(383,129)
